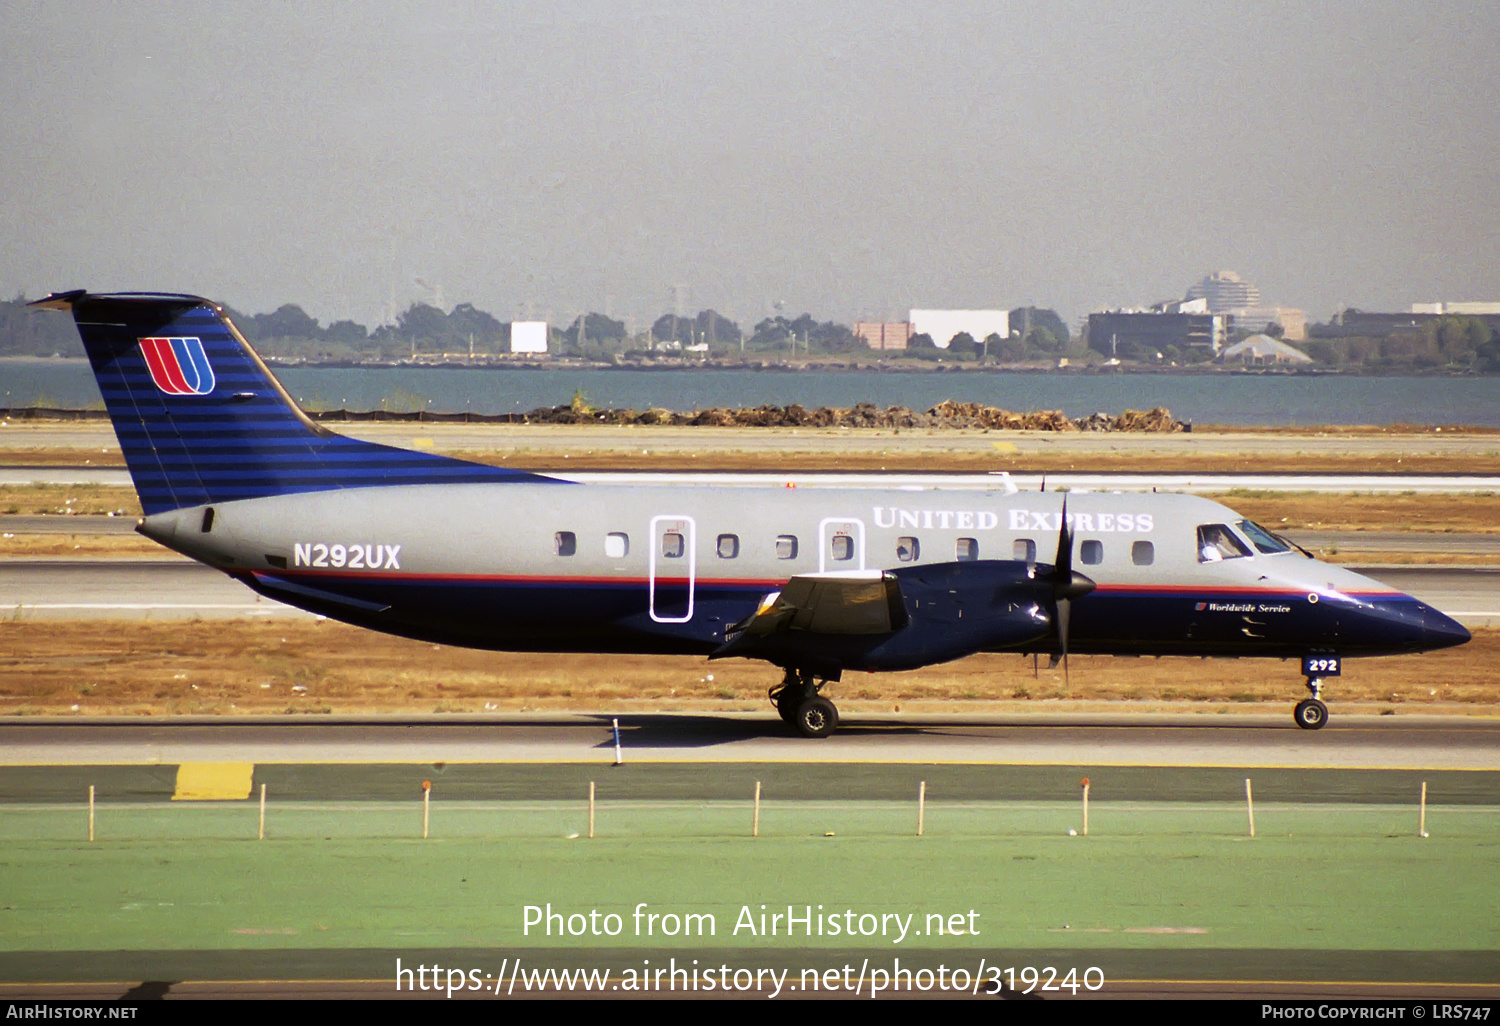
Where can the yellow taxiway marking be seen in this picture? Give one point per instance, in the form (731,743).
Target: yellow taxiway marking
(213,781)
(1005,446)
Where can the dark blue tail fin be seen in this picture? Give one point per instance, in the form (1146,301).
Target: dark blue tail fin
(201,419)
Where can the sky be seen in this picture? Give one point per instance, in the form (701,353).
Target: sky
(850,160)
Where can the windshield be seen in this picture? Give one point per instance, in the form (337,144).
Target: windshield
(1216,542)
(1262,539)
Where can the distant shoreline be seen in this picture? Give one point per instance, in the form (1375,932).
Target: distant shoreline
(832,367)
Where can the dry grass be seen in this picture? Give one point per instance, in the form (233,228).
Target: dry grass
(69,500)
(324,667)
(1316,511)
(80,546)
(825,451)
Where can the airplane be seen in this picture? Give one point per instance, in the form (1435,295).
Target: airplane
(817,582)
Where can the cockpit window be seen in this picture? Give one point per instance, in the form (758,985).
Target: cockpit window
(1262,539)
(1216,542)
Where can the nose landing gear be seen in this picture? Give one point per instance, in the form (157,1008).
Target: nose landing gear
(1311,713)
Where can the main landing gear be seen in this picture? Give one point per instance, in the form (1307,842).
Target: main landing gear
(1311,713)
(799,703)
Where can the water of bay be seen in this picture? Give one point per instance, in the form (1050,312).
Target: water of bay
(1231,399)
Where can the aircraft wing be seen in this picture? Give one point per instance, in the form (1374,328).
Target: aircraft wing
(895,619)
(857,602)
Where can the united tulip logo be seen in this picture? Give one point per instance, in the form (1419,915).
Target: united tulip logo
(178,366)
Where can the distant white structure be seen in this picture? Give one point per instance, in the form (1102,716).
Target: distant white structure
(1225,291)
(1187,306)
(1263,349)
(942,325)
(528,336)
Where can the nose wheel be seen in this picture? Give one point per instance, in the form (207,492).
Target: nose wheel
(1311,713)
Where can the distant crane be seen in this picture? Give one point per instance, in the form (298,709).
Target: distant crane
(437,293)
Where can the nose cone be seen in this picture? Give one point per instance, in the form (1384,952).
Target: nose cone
(1405,624)
(1440,630)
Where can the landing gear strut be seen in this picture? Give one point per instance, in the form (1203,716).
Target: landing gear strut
(1311,713)
(799,703)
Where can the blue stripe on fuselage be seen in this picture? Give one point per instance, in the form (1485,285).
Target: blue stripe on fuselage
(602,614)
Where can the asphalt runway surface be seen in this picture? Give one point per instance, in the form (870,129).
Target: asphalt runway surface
(892,744)
(177,588)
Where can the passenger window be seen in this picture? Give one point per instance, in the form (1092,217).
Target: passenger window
(1216,542)
(671,545)
(1091,552)
(616,544)
(907,550)
(1024,549)
(968,550)
(841,547)
(729,546)
(1143,553)
(566,543)
(786,546)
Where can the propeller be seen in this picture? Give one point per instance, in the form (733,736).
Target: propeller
(1067,585)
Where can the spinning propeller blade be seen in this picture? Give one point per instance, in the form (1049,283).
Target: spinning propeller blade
(1067,585)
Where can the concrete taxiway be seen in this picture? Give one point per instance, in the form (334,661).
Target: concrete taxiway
(1350,742)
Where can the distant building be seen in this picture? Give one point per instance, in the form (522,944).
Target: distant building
(1263,350)
(1225,291)
(1258,318)
(528,336)
(884,334)
(1353,323)
(1145,334)
(942,325)
(1458,309)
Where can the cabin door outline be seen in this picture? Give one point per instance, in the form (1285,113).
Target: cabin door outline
(673,578)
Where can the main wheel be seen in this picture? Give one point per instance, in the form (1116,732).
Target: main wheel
(817,717)
(1310,714)
(788,700)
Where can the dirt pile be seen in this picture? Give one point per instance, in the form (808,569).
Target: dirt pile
(945,415)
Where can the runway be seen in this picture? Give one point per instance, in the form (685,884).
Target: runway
(169,588)
(176,588)
(1189,742)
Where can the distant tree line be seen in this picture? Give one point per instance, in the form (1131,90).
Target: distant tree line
(28,332)
(1457,343)
(1452,342)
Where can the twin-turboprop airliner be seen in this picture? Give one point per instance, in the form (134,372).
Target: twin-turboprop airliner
(816,582)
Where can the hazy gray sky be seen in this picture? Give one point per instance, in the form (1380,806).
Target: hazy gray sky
(849,159)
